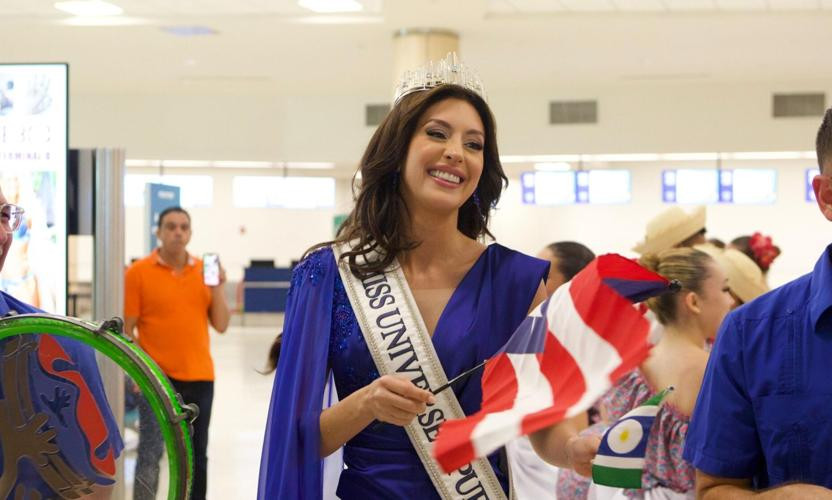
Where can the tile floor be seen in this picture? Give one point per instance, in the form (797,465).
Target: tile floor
(241,404)
(238,419)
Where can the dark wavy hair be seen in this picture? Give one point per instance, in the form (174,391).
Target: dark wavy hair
(379,219)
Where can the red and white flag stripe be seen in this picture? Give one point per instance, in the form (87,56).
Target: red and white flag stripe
(593,335)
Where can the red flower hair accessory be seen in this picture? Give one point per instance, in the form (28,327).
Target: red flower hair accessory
(763,249)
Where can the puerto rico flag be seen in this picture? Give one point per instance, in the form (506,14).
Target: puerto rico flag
(620,458)
(559,361)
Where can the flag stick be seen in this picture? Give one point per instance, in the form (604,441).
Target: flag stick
(459,377)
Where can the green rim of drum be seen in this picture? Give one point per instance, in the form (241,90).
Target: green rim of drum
(173,416)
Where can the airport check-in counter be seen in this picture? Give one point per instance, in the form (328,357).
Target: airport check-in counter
(265,288)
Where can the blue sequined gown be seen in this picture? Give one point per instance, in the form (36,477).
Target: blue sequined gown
(321,334)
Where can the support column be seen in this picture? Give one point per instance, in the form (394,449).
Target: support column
(108,277)
(414,47)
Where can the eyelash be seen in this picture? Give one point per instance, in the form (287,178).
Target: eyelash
(476,146)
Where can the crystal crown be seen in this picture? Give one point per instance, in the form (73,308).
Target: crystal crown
(446,71)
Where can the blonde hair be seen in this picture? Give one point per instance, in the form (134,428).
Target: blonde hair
(687,266)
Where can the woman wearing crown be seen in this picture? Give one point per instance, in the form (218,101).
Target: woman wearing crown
(406,298)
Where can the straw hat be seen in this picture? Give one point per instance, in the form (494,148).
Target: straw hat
(744,276)
(745,279)
(670,228)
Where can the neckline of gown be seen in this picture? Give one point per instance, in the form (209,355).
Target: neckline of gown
(454,295)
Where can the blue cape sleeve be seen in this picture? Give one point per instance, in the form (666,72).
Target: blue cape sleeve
(291,465)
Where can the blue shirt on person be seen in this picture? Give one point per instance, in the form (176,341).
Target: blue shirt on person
(764,411)
(54,391)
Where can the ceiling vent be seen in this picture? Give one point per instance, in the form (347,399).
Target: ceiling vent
(797,105)
(573,112)
(375,113)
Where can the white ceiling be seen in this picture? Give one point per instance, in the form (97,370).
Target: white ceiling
(156,8)
(163,8)
(528,6)
(275,47)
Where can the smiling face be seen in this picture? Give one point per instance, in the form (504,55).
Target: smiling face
(445,157)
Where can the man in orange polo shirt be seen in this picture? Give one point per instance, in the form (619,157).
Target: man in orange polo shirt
(167,301)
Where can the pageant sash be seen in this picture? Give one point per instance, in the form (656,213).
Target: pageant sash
(400,344)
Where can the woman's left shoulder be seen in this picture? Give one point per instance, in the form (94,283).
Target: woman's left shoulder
(516,260)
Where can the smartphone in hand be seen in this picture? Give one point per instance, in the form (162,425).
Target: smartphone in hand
(211,269)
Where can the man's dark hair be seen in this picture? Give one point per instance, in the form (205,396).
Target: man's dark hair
(170,210)
(572,257)
(824,142)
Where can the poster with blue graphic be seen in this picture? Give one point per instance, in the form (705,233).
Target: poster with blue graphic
(33,163)
(159,197)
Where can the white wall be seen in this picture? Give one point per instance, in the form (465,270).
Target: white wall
(634,117)
(641,118)
(672,117)
(222,127)
(796,226)
(279,234)
(283,235)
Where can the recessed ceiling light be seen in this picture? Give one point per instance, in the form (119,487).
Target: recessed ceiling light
(303,165)
(308,165)
(331,6)
(243,164)
(539,158)
(189,30)
(89,8)
(559,166)
(186,163)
